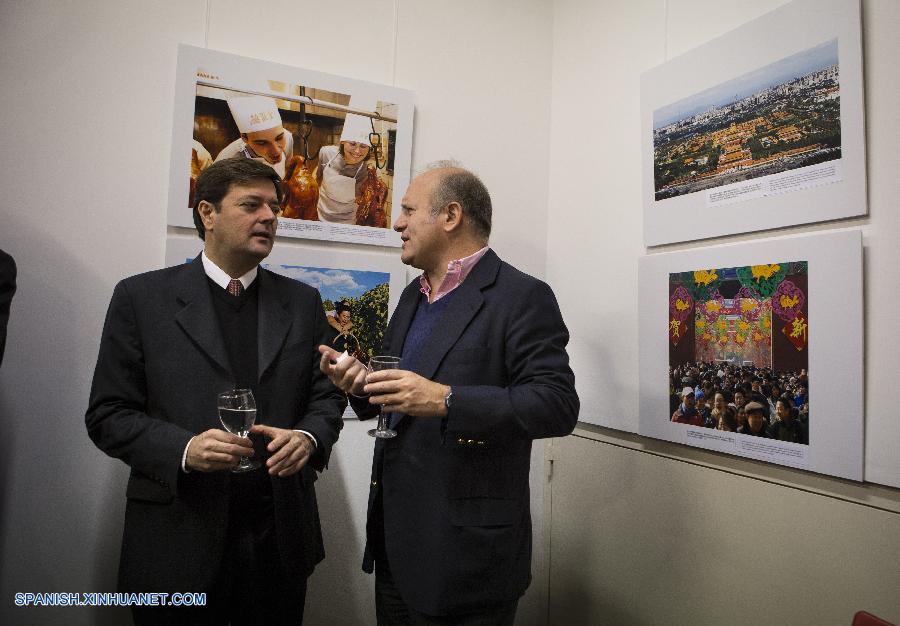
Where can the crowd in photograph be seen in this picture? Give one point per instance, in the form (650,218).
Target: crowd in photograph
(745,399)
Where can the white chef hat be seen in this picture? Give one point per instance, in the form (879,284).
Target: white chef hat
(358,127)
(254,113)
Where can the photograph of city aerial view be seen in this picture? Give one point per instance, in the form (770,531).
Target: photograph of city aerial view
(781,117)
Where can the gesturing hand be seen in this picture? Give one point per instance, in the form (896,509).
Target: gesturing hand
(347,373)
(216,450)
(290,449)
(402,391)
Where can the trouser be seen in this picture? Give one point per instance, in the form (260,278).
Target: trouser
(251,586)
(392,610)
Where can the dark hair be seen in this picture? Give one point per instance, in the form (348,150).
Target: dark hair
(216,181)
(729,417)
(343,305)
(462,186)
(789,403)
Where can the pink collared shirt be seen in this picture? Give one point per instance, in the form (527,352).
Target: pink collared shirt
(456,273)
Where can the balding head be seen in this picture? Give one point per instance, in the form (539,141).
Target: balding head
(450,182)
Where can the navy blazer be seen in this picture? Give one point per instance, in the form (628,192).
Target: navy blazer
(161,364)
(456,504)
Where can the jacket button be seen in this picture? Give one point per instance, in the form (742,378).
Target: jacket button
(470,441)
(374,483)
(480,443)
(460,441)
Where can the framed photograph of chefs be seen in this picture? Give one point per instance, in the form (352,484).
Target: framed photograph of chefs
(758,129)
(341,146)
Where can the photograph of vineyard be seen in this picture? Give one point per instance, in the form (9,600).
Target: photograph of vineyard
(781,117)
(364,293)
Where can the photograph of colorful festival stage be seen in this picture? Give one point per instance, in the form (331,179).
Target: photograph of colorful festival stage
(738,350)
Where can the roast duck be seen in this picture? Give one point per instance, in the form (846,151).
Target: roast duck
(301,191)
(196,168)
(370,201)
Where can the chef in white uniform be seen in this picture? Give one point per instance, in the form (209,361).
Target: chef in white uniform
(342,169)
(262,136)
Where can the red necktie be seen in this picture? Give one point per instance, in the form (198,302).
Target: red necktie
(235,287)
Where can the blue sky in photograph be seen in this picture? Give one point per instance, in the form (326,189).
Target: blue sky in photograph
(789,68)
(333,284)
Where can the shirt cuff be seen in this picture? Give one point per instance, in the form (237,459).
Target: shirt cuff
(184,467)
(310,435)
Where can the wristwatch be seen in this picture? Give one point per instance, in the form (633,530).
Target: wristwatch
(448,398)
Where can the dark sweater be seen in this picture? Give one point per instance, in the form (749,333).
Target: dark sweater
(238,318)
(426,321)
(239,321)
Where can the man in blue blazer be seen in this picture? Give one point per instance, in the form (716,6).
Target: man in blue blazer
(173,340)
(484,372)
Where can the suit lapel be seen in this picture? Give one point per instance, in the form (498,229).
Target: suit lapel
(197,317)
(274,321)
(467,301)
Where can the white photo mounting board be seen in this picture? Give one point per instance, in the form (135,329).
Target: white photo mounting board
(729,129)
(835,350)
(214,77)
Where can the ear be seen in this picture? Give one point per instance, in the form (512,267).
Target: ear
(453,217)
(206,210)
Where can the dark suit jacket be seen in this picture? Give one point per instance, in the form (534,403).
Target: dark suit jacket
(457,523)
(7,290)
(162,363)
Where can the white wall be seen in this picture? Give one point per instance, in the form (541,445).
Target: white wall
(600,50)
(653,538)
(87,105)
(645,531)
(87,110)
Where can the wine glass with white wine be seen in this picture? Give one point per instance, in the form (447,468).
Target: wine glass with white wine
(237,412)
(376,364)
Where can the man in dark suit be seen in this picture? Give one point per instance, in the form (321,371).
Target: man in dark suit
(7,291)
(484,373)
(173,340)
